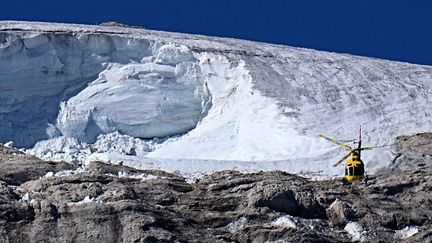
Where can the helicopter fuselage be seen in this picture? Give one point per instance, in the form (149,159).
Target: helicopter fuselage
(354,169)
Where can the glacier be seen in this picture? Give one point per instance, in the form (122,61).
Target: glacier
(195,104)
(61,83)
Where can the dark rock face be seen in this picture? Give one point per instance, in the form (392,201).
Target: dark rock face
(419,144)
(114,203)
(17,167)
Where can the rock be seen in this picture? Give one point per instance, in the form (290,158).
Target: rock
(17,167)
(419,143)
(412,150)
(116,203)
(276,197)
(339,214)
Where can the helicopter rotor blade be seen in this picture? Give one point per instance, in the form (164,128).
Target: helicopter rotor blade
(382,146)
(336,142)
(343,158)
(367,148)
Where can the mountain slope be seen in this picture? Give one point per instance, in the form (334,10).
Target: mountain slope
(221,99)
(115,203)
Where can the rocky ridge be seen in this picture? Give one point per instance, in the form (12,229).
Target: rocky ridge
(44,201)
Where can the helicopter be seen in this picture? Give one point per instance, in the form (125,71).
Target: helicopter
(354,167)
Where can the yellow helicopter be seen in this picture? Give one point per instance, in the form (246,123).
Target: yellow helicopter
(354,167)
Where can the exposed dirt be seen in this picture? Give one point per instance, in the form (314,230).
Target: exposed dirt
(114,203)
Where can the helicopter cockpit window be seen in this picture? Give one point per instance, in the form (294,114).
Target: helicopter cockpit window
(359,171)
(351,171)
(354,171)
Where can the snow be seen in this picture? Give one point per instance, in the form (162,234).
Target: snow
(85,169)
(79,170)
(356,231)
(71,150)
(60,149)
(8,144)
(142,177)
(87,199)
(406,232)
(26,198)
(237,225)
(134,98)
(88,85)
(285,222)
(194,105)
(288,221)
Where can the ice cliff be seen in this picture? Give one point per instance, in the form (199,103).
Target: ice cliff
(224,99)
(84,84)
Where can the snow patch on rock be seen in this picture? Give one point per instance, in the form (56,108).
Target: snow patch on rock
(406,232)
(357,232)
(142,177)
(285,222)
(79,170)
(288,221)
(26,198)
(237,225)
(87,199)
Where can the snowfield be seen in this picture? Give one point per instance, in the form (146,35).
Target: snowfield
(194,104)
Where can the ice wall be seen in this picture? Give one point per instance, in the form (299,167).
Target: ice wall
(84,84)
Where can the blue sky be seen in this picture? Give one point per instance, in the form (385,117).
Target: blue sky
(389,29)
